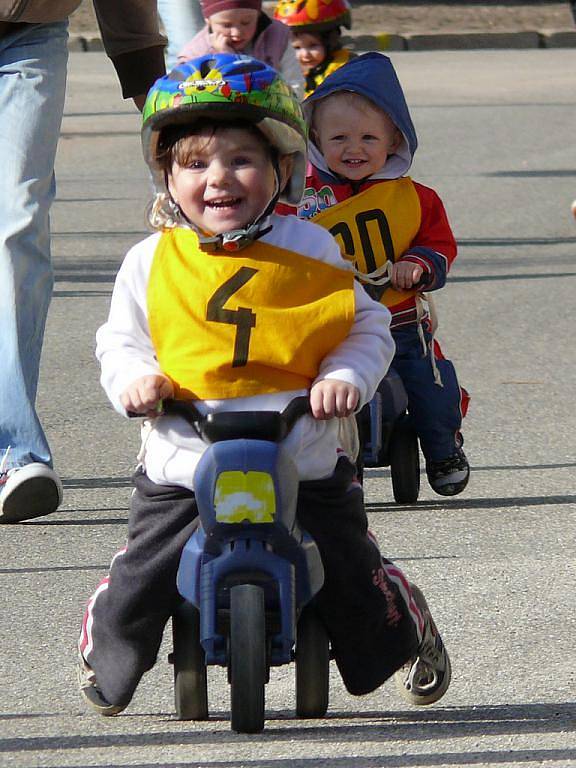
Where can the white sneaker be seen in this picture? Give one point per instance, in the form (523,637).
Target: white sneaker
(573,209)
(30,491)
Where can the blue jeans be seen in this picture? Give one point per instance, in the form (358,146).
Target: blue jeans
(182,19)
(33,63)
(436,412)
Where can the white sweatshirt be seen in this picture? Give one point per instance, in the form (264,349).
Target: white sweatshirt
(172,448)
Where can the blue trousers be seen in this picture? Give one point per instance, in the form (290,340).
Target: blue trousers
(436,411)
(182,19)
(33,60)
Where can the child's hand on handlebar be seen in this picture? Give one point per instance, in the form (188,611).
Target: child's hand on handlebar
(331,398)
(405,275)
(145,394)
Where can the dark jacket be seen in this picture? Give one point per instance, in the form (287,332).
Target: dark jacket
(130,34)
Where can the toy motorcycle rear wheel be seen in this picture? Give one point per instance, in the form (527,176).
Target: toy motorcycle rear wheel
(190,684)
(312,666)
(404,462)
(247,657)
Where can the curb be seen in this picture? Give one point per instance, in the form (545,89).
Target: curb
(442,41)
(461,41)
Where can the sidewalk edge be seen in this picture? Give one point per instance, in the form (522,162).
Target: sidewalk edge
(441,41)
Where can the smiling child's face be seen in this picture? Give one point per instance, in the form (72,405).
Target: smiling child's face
(354,136)
(224,179)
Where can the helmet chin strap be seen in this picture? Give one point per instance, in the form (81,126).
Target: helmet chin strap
(236,239)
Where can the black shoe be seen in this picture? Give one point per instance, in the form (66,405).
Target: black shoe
(92,693)
(450,476)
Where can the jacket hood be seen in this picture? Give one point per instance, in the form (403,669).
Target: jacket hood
(372,76)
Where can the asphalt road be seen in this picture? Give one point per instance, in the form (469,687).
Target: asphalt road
(497,564)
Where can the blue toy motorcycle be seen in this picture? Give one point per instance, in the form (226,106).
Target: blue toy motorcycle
(388,439)
(387,436)
(248,573)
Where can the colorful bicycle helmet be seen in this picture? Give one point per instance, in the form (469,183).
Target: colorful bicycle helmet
(313,15)
(222,87)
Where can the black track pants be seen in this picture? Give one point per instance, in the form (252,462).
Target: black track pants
(363,602)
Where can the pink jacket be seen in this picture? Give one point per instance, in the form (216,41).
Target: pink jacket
(268,45)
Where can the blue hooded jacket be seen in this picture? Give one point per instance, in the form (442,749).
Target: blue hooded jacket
(371,75)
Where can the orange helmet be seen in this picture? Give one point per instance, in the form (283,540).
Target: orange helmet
(313,15)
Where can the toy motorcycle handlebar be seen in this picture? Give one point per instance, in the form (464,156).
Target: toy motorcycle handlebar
(425,279)
(377,290)
(233,425)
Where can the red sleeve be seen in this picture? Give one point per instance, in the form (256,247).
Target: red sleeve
(434,246)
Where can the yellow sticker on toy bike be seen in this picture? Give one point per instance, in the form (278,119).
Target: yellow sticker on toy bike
(244,497)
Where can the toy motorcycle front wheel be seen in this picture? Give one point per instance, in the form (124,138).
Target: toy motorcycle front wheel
(247,657)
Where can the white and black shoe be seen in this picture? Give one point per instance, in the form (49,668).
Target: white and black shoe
(30,491)
(426,676)
(450,476)
(91,692)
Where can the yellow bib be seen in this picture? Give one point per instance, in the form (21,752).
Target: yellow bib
(341,57)
(248,324)
(376,226)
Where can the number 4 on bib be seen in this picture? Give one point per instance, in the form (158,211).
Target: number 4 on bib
(243,317)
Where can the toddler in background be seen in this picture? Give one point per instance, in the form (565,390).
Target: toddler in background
(316,36)
(242,27)
(362,142)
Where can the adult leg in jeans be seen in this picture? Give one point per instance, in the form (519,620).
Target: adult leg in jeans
(182,19)
(33,61)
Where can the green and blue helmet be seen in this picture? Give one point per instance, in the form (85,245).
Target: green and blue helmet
(233,87)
